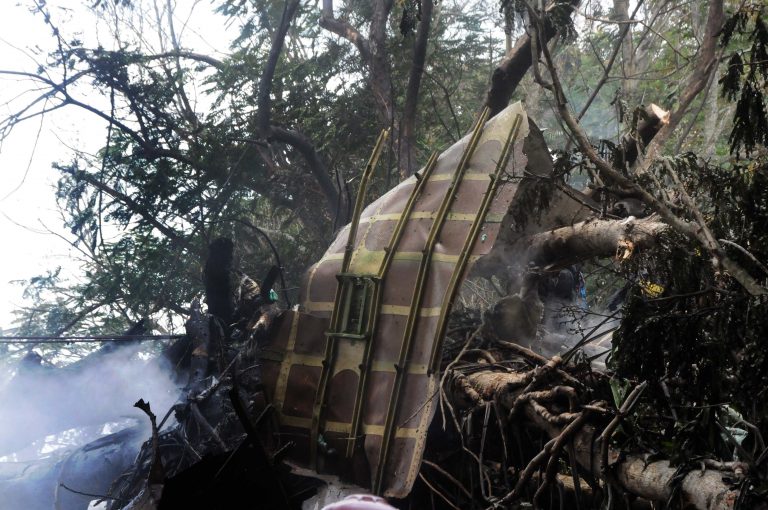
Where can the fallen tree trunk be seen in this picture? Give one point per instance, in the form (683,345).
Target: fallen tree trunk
(542,397)
(656,480)
(591,238)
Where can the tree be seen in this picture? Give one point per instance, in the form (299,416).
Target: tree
(272,133)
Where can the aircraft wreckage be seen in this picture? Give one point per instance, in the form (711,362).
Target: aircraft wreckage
(358,369)
(347,385)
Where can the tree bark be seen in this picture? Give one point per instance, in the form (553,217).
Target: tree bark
(406,157)
(637,474)
(655,480)
(507,76)
(566,245)
(293,138)
(621,13)
(654,118)
(380,74)
(372,51)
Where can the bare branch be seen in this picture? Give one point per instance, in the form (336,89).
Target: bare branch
(188,55)
(608,65)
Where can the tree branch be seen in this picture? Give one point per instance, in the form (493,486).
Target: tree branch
(295,139)
(148,216)
(345,30)
(640,475)
(607,67)
(697,231)
(508,74)
(592,238)
(264,99)
(317,167)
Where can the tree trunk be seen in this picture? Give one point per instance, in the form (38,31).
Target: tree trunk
(655,480)
(637,474)
(380,75)
(301,143)
(621,13)
(406,157)
(507,76)
(592,238)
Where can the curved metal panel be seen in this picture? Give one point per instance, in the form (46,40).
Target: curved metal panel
(359,403)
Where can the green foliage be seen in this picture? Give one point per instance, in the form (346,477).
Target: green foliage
(175,173)
(704,338)
(746,74)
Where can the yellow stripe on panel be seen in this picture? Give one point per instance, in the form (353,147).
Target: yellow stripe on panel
(344,428)
(327,306)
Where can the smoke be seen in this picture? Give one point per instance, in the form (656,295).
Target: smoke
(43,401)
(547,313)
(568,326)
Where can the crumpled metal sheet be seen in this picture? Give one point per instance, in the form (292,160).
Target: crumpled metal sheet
(292,363)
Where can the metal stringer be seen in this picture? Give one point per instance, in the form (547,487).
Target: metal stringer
(458,270)
(391,248)
(336,316)
(416,299)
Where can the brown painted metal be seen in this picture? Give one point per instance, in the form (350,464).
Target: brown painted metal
(362,373)
(330,342)
(450,293)
(416,300)
(394,242)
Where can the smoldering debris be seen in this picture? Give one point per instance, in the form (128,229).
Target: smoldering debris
(66,433)
(68,478)
(42,400)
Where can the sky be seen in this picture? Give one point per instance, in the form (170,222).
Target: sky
(32,235)
(27,202)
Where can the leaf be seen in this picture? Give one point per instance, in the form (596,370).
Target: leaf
(619,390)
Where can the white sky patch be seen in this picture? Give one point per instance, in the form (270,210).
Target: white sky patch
(27,202)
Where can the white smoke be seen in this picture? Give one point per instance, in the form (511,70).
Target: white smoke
(42,402)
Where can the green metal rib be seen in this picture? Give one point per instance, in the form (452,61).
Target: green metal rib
(394,242)
(416,299)
(453,284)
(330,341)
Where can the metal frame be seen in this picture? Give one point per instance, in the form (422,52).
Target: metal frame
(394,242)
(330,342)
(349,294)
(453,285)
(367,301)
(416,299)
